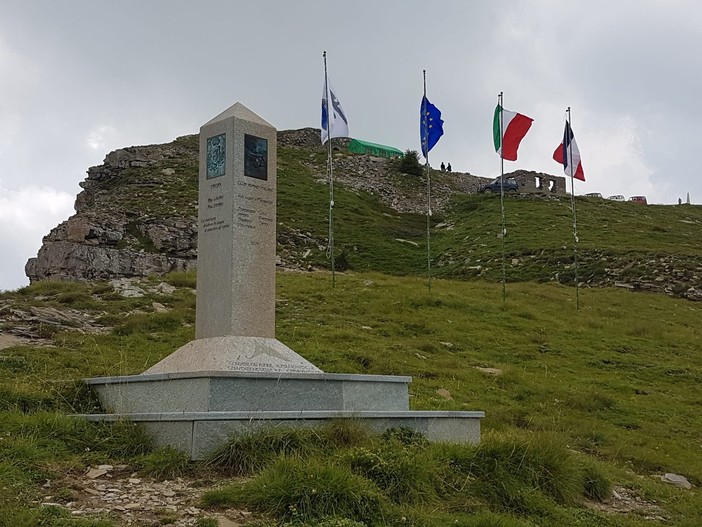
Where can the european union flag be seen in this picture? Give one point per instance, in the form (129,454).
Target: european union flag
(431,127)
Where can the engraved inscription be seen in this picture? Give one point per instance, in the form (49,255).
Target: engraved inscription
(216,156)
(212,224)
(255,157)
(249,366)
(215,202)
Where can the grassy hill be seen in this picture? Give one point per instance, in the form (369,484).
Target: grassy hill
(617,384)
(653,247)
(585,409)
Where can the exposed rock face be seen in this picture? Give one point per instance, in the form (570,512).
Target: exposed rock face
(127,222)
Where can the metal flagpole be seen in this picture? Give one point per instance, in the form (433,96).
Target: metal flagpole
(426,167)
(572,204)
(330,174)
(502,196)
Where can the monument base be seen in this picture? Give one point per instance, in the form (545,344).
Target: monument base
(232,354)
(196,412)
(199,433)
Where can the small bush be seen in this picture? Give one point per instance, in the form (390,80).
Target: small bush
(409,163)
(22,401)
(518,475)
(118,439)
(596,485)
(248,453)
(304,490)
(406,436)
(341,262)
(149,323)
(341,433)
(396,470)
(164,463)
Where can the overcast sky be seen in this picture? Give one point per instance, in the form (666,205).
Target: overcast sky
(79,79)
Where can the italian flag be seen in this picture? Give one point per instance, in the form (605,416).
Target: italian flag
(508,130)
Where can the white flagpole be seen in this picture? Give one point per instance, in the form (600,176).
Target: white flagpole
(426,167)
(330,174)
(572,203)
(502,195)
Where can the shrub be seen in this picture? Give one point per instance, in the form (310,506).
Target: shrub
(406,436)
(164,463)
(181,279)
(596,485)
(341,262)
(247,453)
(396,470)
(304,490)
(409,163)
(149,323)
(518,475)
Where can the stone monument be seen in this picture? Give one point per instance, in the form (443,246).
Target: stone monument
(235,308)
(235,375)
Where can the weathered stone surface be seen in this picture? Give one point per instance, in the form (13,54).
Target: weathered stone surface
(64,260)
(29,324)
(677,480)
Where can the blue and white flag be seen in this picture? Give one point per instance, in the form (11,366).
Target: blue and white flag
(334,122)
(431,127)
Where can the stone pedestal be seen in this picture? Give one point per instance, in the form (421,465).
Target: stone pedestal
(197,412)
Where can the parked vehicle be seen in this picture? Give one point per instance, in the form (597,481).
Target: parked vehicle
(593,195)
(509,185)
(617,197)
(639,199)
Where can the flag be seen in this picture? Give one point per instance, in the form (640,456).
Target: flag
(514,127)
(568,155)
(431,127)
(334,122)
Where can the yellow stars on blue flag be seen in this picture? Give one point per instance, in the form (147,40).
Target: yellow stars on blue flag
(431,126)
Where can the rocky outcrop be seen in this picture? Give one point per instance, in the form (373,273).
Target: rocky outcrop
(135,216)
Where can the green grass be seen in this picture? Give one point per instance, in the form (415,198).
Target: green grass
(363,226)
(608,395)
(386,481)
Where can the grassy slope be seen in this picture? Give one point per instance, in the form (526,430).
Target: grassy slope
(618,242)
(620,379)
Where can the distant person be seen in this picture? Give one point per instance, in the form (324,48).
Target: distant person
(448,167)
(443,167)
(679,201)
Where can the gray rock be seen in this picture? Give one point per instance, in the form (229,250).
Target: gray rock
(677,480)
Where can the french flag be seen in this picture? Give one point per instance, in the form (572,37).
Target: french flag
(568,155)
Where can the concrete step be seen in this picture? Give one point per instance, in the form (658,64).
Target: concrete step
(199,433)
(234,391)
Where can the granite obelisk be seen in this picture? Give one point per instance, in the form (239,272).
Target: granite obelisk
(235,307)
